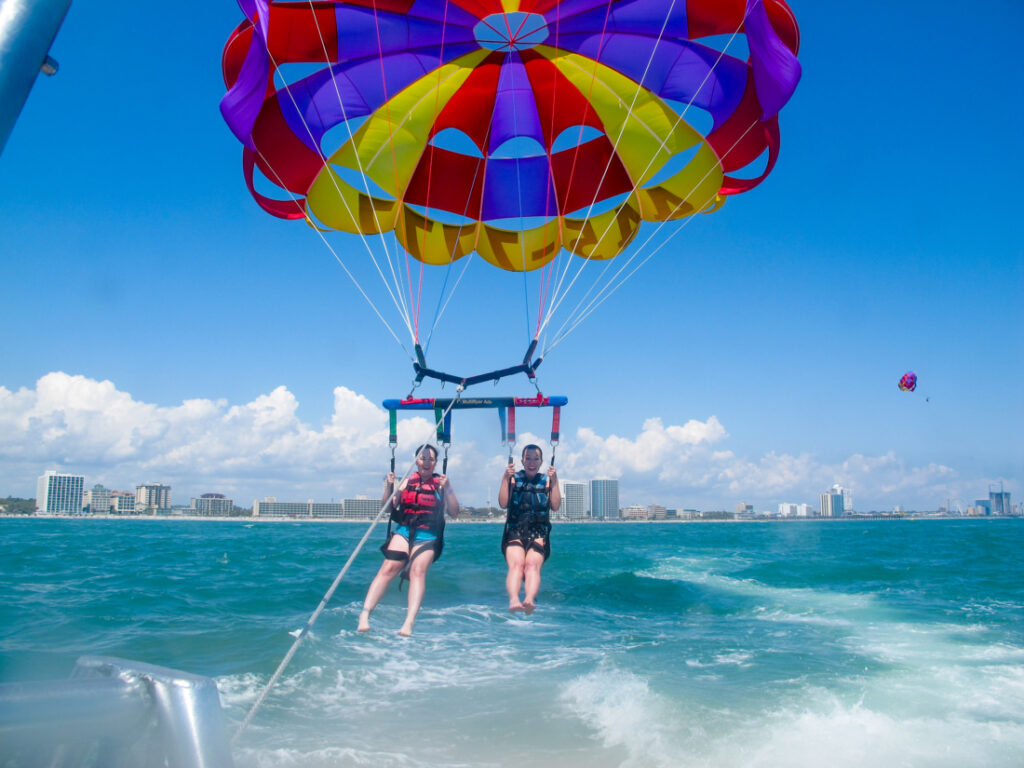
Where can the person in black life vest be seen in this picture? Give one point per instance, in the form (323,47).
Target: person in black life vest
(415,534)
(529,497)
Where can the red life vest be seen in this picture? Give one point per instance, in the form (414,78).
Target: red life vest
(419,503)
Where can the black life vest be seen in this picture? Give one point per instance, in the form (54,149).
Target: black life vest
(528,519)
(528,502)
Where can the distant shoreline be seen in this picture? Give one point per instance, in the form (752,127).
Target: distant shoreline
(499,520)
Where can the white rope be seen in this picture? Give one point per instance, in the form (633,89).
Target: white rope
(340,262)
(330,592)
(366,185)
(399,300)
(679,119)
(629,110)
(599,299)
(583,309)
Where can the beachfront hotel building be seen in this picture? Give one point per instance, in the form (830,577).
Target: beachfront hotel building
(634,512)
(271,507)
(152,498)
(604,499)
(656,512)
(212,505)
(574,500)
(98,500)
(59,494)
(362,508)
(122,502)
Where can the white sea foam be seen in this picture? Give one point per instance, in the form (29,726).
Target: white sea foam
(931,693)
(624,713)
(815,728)
(707,572)
(843,735)
(339,757)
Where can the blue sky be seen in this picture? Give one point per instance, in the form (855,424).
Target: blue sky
(157,325)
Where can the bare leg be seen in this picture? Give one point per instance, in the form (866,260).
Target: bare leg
(515,557)
(417,585)
(388,570)
(534,561)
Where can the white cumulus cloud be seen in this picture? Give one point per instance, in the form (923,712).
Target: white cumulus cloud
(249,450)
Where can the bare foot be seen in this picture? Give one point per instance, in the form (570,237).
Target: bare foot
(528,608)
(364,622)
(405,631)
(513,607)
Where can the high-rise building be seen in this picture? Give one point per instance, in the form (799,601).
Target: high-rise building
(787,510)
(999,502)
(58,493)
(152,498)
(574,501)
(803,510)
(847,495)
(604,499)
(213,505)
(656,512)
(97,500)
(831,504)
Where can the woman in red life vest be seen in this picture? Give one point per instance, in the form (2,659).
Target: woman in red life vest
(415,534)
(529,497)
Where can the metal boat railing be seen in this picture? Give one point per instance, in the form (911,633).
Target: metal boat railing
(114,713)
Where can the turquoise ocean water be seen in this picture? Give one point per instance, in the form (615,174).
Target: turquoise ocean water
(735,644)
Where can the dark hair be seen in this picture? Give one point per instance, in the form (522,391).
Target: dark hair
(532,447)
(426,447)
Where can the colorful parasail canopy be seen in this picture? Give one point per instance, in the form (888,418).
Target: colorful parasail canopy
(512,128)
(908,382)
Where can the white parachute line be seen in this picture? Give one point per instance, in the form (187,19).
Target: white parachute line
(553,299)
(519,189)
(395,127)
(679,119)
(609,289)
(442,301)
(399,304)
(439,313)
(398,126)
(447,301)
(337,258)
(395,275)
(622,129)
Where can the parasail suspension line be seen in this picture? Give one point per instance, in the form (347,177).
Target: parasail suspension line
(556,303)
(583,308)
(341,263)
(609,289)
(396,296)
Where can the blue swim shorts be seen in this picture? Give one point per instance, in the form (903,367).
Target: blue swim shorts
(422,535)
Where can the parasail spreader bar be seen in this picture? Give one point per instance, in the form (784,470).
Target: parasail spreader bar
(429,403)
(528,366)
